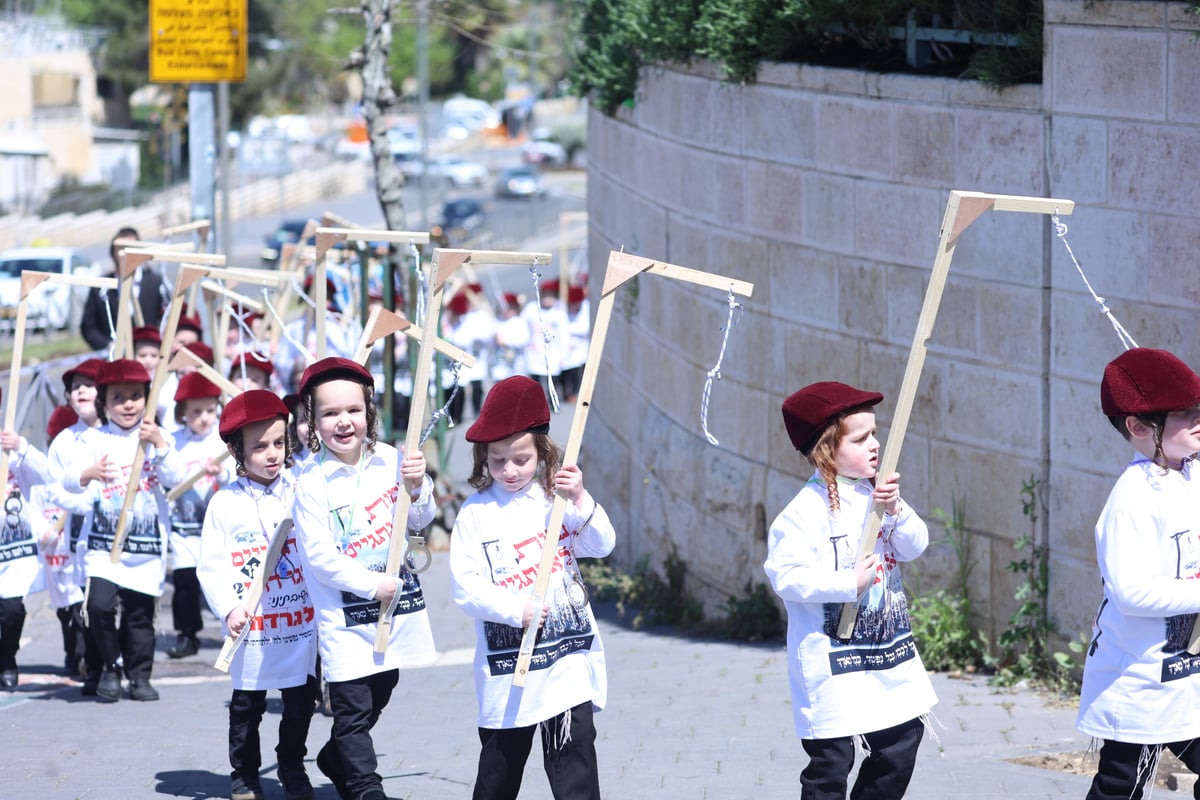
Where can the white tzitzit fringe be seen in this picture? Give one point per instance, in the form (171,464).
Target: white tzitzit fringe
(557,731)
(715,372)
(1060,230)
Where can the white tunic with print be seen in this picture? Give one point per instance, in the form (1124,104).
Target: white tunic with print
(187,510)
(494,555)
(343,518)
(547,338)
(1139,684)
(874,680)
(65,454)
(280,650)
(23,525)
(141,566)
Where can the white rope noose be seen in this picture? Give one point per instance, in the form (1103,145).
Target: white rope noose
(1060,230)
(735,315)
(547,337)
(444,411)
(112,325)
(308,357)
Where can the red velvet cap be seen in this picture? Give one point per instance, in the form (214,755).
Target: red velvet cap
(808,412)
(147,333)
(189,321)
(193,386)
(511,300)
(332,368)
(513,405)
(253,361)
(1144,381)
(575,295)
(459,304)
(549,287)
(88,368)
(123,370)
(247,408)
(202,351)
(61,418)
(477,288)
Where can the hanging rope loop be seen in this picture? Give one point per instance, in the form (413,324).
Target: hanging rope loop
(547,336)
(735,316)
(1060,230)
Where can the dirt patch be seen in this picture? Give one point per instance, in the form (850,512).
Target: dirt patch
(1081,762)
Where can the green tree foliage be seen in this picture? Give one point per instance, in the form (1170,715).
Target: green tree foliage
(614,38)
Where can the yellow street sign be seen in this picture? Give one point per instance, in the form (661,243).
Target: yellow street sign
(197,41)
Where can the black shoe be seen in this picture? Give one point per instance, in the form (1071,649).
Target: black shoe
(140,689)
(73,668)
(108,689)
(297,787)
(334,773)
(242,789)
(186,644)
(90,682)
(8,679)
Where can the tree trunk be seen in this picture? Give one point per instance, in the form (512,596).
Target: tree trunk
(378,98)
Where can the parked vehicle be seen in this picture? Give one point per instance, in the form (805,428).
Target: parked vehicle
(522,181)
(51,305)
(288,232)
(464,213)
(459,172)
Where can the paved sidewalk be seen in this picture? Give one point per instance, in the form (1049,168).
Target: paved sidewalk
(687,718)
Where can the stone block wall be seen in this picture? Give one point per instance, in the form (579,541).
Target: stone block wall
(826,188)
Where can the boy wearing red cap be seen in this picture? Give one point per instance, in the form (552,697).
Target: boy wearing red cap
(199,445)
(24,529)
(343,514)
(249,370)
(280,650)
(471,330)
(147,347)
(578,332)
(495,550)
(873,685)
(1140,686)
(79,383)
(128,590)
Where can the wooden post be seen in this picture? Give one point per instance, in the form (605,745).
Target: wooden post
(443,265)
(187,276)
(962,209)
(621,267)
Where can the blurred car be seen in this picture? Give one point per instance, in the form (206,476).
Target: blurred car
(465,213)
(288,232)
(51,305)
(544,151)
(459,172)
(522,181)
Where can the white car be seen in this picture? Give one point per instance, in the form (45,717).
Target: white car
(51,305)
(459,171)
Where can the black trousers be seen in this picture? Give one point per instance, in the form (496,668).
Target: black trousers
(246,709)
(570,765)
(185,602)
(1122,772)
(572,380)
(70,619)
(134,640)
(884,774)
(350,751)
(12,622)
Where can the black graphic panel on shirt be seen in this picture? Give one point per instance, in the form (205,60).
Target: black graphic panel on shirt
(187,512)
(142,537)
(566,630)
(16,539)
(882,615)
(360,611)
